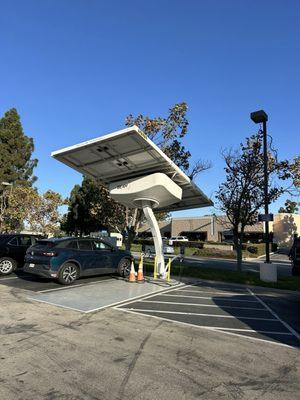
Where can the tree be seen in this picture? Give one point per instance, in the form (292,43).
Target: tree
(167,133)
(92,209)
(241,196)
(291,171)
(21,200)
(16,164)
(45,217)
(26,208)
(290,207)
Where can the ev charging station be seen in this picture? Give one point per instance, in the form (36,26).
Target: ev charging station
(137,174)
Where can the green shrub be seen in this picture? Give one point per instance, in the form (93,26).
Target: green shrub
(252,249)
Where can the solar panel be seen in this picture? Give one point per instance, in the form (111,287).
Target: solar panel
(127,154)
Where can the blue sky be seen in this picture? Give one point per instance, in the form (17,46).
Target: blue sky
(75,68)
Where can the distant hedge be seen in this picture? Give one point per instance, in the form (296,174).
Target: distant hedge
(197,245)
(251,248)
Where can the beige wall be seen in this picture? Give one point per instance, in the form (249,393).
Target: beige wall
(284,227)
(191,225)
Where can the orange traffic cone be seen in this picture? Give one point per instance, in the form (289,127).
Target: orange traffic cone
(140,275)
(132,273)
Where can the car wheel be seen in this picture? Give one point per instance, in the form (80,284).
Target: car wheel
(124,267)
(7,265)
(68,274)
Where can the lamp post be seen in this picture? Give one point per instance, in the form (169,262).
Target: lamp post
(261,117)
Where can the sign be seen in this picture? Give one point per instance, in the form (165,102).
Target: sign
(265,217)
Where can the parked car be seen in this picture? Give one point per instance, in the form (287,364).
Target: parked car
(13,248)
(149,250)
(178,239)
(67,259)
(294,256)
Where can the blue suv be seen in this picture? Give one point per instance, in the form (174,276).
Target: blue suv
(67,259)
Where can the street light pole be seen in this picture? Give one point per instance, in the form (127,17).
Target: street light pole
(266,194)
(261,117)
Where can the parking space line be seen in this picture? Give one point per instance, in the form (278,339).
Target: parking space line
(218,293)
(158,293)
(203,315)
(73,286)
(295,333)
(222,288)
(210,298)
(201,305)
(121,303)
(186,324)
(54,304)
(8,279)
(252,331)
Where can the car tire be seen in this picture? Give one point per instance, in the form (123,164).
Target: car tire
(68,274)
(7,265)
(124,267)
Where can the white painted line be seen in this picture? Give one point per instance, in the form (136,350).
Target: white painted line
(225,288)
(218,293)
(276,316)
(210,298)
(123,302)
(8,279)
(201,315)
(55,304)
(254,331)
(256,339)
(60,288)
(201,305)
(186,324)
(159,293)
(74,286)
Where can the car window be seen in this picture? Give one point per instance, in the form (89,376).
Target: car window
(85,245)
(25,240)
(14,241)
(98,245)
(72,245)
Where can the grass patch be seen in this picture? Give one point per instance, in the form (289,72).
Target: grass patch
(214,253)
(242,277)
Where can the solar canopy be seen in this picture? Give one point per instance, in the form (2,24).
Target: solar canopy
(127,154)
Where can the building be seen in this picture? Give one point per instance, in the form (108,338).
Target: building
(214,228)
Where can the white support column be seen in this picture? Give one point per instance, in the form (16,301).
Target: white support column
(158,243)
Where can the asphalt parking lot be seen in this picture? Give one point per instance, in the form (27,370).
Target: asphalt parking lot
(231,309)
(198,340)
(227,308)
